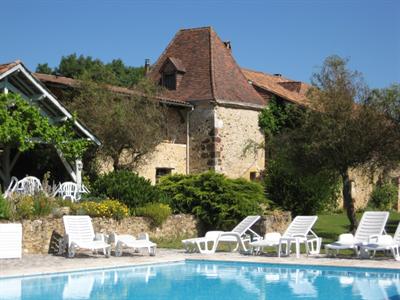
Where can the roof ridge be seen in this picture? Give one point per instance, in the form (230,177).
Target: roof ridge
(197,28)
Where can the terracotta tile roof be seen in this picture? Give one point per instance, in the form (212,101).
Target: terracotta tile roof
(7,66)
(211,71)
(290,90)
(70,82)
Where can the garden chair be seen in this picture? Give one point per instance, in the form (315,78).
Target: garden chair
(372,224)
(385,243)
(10,241)
(298,232)
(68,190)
(11,187)
(28,186)
(79,234)
(238,235)
(124,241)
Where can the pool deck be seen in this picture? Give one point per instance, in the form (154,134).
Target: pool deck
(31,264)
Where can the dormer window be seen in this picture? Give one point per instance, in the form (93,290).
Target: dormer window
(172,72)
(169,81)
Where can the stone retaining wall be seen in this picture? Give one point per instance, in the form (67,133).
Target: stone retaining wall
(38,234)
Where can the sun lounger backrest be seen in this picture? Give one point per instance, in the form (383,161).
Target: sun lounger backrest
(300,226)
(372,223)
(245,225)
(10,240)
(79,228)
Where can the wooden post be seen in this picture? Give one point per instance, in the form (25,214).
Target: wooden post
(78,174)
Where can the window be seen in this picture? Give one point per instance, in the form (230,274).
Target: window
(169,81)
(253,176)
(160,172)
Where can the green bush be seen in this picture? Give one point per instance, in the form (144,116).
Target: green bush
(107,208)
(42,205)
(24,207)
(384,196)
(301,194)
(128,187)
(5,209)
(218,202)
(157,212)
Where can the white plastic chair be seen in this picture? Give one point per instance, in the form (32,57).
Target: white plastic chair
(237,235)
(79,234)
(11,187)
(28,186)
(299,231)
(372,224)
(68,190)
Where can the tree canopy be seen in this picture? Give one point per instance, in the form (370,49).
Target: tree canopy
(129,125)
(88,68)
(347,126)
(22,126)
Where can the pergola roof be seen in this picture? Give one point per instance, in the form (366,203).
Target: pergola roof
(16,78)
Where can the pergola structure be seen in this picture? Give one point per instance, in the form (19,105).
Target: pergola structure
(16,78)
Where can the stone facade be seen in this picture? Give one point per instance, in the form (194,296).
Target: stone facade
(201,139)
(236,129)
(167,156)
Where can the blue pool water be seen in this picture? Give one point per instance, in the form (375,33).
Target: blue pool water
(209,280)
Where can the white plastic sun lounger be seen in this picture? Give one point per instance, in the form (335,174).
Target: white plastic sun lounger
(299,231)
(79,234)
(129,241)
(385,243)
(372,224)
(237,235)
(10,241)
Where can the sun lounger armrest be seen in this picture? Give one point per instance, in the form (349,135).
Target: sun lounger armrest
(143,236)
(100,237)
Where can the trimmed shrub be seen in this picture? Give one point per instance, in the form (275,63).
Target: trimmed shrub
(384,196)
(5,208)
(157,212)
(107,208)
(300,193)
(128,187)
(218,202)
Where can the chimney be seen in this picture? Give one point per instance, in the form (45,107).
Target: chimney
(146,66)
(228,45)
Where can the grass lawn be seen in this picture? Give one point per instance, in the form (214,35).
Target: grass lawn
(330,226)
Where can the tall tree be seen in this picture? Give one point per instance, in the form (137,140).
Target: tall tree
(86,67)
(347,127)
(22,127)
(130,125)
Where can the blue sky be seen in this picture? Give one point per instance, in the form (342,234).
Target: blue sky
(288,37)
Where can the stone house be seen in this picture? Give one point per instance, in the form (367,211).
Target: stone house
(213,106)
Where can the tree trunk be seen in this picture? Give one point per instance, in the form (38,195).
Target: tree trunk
(348,201)
(7,165)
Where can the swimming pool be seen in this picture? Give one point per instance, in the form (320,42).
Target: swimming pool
(208,280)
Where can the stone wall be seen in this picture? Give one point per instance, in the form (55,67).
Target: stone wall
(38,233)
(236,129)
